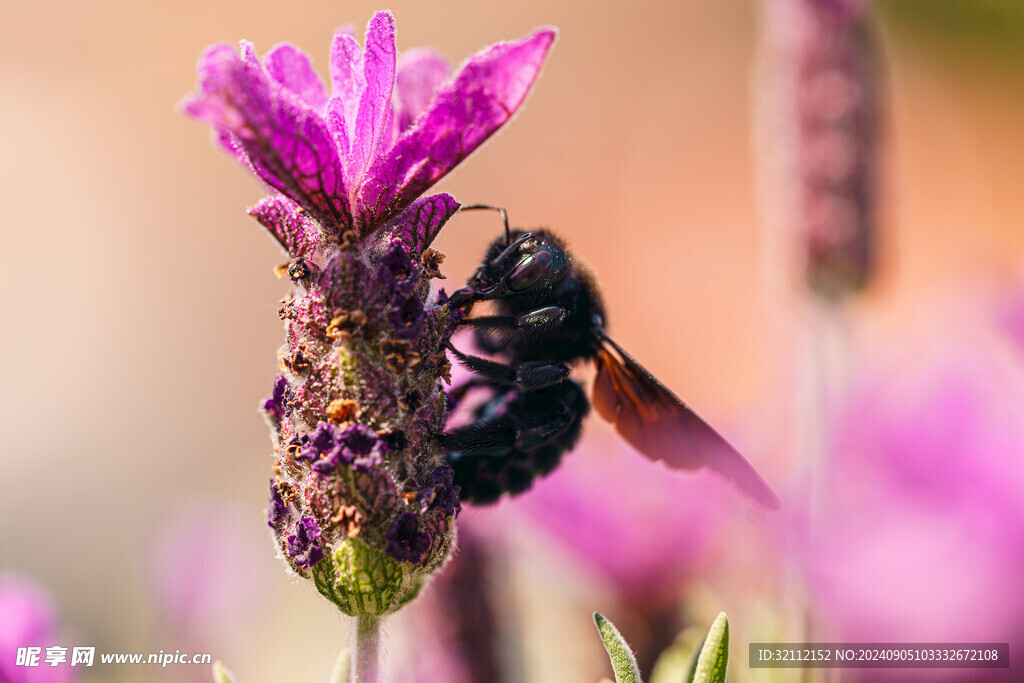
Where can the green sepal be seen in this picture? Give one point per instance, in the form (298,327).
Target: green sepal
(360,579)
(623,662)
(713,661)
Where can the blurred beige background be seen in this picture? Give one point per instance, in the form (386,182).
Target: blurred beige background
(140,328)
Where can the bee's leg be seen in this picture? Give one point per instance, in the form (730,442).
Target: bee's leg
(506,452)
(489,437)
(491,322)
(510,435)
(496,332)
(539,322)
(529,376)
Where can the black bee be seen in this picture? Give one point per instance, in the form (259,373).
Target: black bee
(548,314)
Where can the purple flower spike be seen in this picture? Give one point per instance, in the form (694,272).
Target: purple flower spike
(362,502)
(389,131)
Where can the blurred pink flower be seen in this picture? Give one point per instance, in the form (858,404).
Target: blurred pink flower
(649,531)
(195,563)
(1011,316)
(640,525)
(454,622)
(28,619)
(922,535)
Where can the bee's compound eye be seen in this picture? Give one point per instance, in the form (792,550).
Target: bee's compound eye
(529,271)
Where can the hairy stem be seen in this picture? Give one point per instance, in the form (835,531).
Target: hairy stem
(367,649)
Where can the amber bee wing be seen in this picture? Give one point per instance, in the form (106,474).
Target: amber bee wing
(655,422)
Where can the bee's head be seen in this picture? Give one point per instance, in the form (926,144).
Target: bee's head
(525,261)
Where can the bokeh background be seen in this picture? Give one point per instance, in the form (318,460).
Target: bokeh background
(140,332)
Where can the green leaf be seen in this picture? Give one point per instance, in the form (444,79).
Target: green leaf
(714,656)
(691,669)
(623,661)
(342,672)
(221,673)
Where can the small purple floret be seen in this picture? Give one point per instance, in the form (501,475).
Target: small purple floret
(304,544)
(277,405)
(361,446)
(406,317)
(321,448)
(278,510)
(442,494)
(406,543)
(329,446)
(395,265)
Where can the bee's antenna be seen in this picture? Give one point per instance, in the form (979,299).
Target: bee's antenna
(499,209)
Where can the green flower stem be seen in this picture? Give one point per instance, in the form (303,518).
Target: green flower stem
(367,649)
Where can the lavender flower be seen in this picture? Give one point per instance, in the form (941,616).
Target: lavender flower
(361,502)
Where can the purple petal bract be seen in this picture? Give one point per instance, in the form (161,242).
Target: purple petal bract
(288,223)
(484,94)
(290,67)
(420,73)
(287,142)
(373,117)
(390,129)
(418,224)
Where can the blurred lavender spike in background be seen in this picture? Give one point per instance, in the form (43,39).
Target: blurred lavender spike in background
(818,97)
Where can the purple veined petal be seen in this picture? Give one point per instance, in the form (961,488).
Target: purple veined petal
(292,227)
(420,73)
(418,225)
(206,105)
(483,96)
(288,144)
(290,67)
(391,131)
(229,143)
(370,131)
(335,115)
(347,79)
